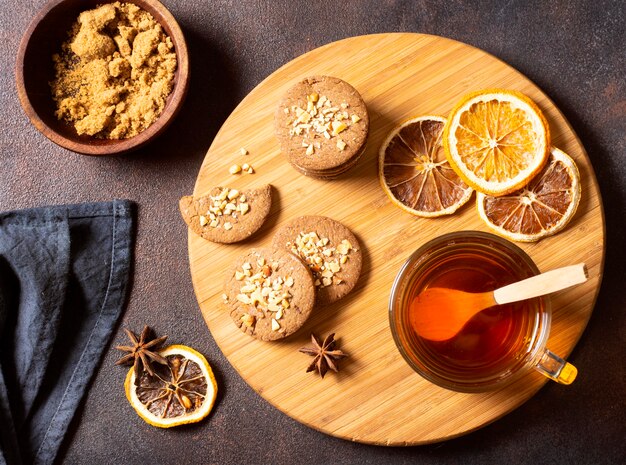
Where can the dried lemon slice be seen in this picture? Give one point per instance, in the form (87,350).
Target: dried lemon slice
(182,392)
(496,140)
(415,173)
(542,208)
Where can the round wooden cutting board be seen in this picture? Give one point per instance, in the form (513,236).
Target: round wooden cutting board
(376,398)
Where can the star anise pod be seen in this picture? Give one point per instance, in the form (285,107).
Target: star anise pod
(142,353)
(326,355)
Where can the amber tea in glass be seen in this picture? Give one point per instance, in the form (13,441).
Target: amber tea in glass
(498,344)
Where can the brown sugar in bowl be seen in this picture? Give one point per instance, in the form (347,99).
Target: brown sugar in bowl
(35,70)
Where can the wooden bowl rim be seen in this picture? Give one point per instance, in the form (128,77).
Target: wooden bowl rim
(112,147)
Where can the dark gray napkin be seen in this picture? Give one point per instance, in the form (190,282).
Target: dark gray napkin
(64,276)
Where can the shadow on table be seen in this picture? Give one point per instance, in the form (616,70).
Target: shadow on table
(211,97)
(213,87)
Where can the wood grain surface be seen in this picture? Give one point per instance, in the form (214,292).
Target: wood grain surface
(376,397)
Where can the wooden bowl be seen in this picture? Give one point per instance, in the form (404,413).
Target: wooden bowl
(35,70)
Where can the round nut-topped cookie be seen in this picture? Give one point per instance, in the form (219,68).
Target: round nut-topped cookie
(330,250)
(322,125)
(269,292)
(227,215)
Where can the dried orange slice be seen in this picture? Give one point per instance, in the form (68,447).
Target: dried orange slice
(542,208)
(496,140)
(415,173)
(182,392)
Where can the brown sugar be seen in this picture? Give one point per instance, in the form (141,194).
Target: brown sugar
(114,73)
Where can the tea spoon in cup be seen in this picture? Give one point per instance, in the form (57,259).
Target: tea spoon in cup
(439,313)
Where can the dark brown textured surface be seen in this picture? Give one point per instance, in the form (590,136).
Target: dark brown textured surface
(573,50)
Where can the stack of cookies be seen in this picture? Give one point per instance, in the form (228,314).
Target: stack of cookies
(322,126)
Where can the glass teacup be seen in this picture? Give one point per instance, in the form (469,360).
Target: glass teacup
(498,345)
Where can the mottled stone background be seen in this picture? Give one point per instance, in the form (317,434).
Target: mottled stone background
(574,50)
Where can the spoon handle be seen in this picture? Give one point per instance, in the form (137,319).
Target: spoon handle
(542,284)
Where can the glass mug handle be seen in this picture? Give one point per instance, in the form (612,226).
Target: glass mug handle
(555,368)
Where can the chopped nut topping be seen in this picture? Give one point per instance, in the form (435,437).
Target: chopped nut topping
(235,169)
(320,119)
(223,208)
(323,259)
(275,325)
(243,151)
(341,145)
(250,170)
(344,247)
(244,299)
(338,127)
(245,167)
(248,320)
(262,289)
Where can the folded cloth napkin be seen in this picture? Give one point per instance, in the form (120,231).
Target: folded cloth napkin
(64,276)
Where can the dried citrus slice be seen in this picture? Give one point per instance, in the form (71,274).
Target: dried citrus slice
(542,208)
(182,392)
(496,140)
(414,172)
